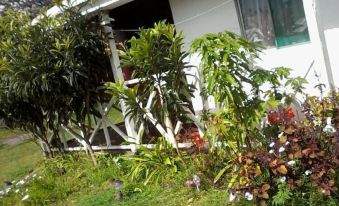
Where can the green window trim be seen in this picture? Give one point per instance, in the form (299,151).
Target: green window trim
(273,23)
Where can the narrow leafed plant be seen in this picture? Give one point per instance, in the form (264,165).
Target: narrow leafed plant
(158,61)
(50,72)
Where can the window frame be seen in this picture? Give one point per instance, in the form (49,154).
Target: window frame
(242,27)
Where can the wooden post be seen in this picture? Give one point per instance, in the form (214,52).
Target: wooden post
(117,73)
(104,126)
(63,139)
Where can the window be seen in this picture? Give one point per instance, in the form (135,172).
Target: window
(273,22)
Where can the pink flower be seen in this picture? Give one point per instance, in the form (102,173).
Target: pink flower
(189,182)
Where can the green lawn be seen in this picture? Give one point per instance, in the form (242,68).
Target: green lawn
(6,133)
(115,116)
(16,161)
(158,195)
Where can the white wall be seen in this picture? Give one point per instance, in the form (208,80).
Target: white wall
(300,57)
(198,17)
(329,13)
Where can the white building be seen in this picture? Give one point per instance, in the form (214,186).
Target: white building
(299,34)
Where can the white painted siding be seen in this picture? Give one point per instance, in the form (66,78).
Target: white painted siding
(300,57)
(329,14)
(198,17)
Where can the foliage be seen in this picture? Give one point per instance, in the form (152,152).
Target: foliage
(154,165)
(238,87)
(158,61)
(79,183)
(283,194)
(50,71)
(31,6)
(302,159)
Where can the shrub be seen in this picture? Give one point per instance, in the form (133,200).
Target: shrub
(50,71)
(158,61)
(229,75)
(154,165)
(300,164)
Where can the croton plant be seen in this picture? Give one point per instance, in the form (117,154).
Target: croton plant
(301,155)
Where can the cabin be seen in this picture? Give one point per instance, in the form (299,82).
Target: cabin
(298,34)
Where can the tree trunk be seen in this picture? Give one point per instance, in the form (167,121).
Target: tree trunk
(91,152)
(49,152)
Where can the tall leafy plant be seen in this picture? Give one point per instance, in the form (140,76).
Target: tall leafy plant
(51,69)
(158,61)
(227,64)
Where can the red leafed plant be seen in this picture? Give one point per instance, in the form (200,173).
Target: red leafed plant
(191,134)
(302,155)
(281,116)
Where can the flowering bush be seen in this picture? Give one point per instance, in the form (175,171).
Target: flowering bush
(301,159)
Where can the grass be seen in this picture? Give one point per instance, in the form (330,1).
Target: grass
(18,160)
(115,116)
(7,133)
(158,195)
(74,181)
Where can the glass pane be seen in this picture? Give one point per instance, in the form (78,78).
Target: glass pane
(289,20)
(257,21)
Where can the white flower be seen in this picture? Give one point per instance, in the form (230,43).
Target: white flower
(287,143)
(1,193)
(282,179)
(329,129)
(7,190)
(232,197)
(34,175)
(281,149)
(323,191)
(329,120)
(272,144)
(248,196)
(25,198)
(21,182)
(39,177)
(281,134)
(308,172)
(17,190)
(271,151)
(291,163)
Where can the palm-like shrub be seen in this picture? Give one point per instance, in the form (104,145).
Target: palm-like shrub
(159,62)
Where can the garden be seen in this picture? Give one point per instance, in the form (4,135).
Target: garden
(266,142)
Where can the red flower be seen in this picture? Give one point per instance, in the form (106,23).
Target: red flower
(273,117)
(289,114)
(198,142)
